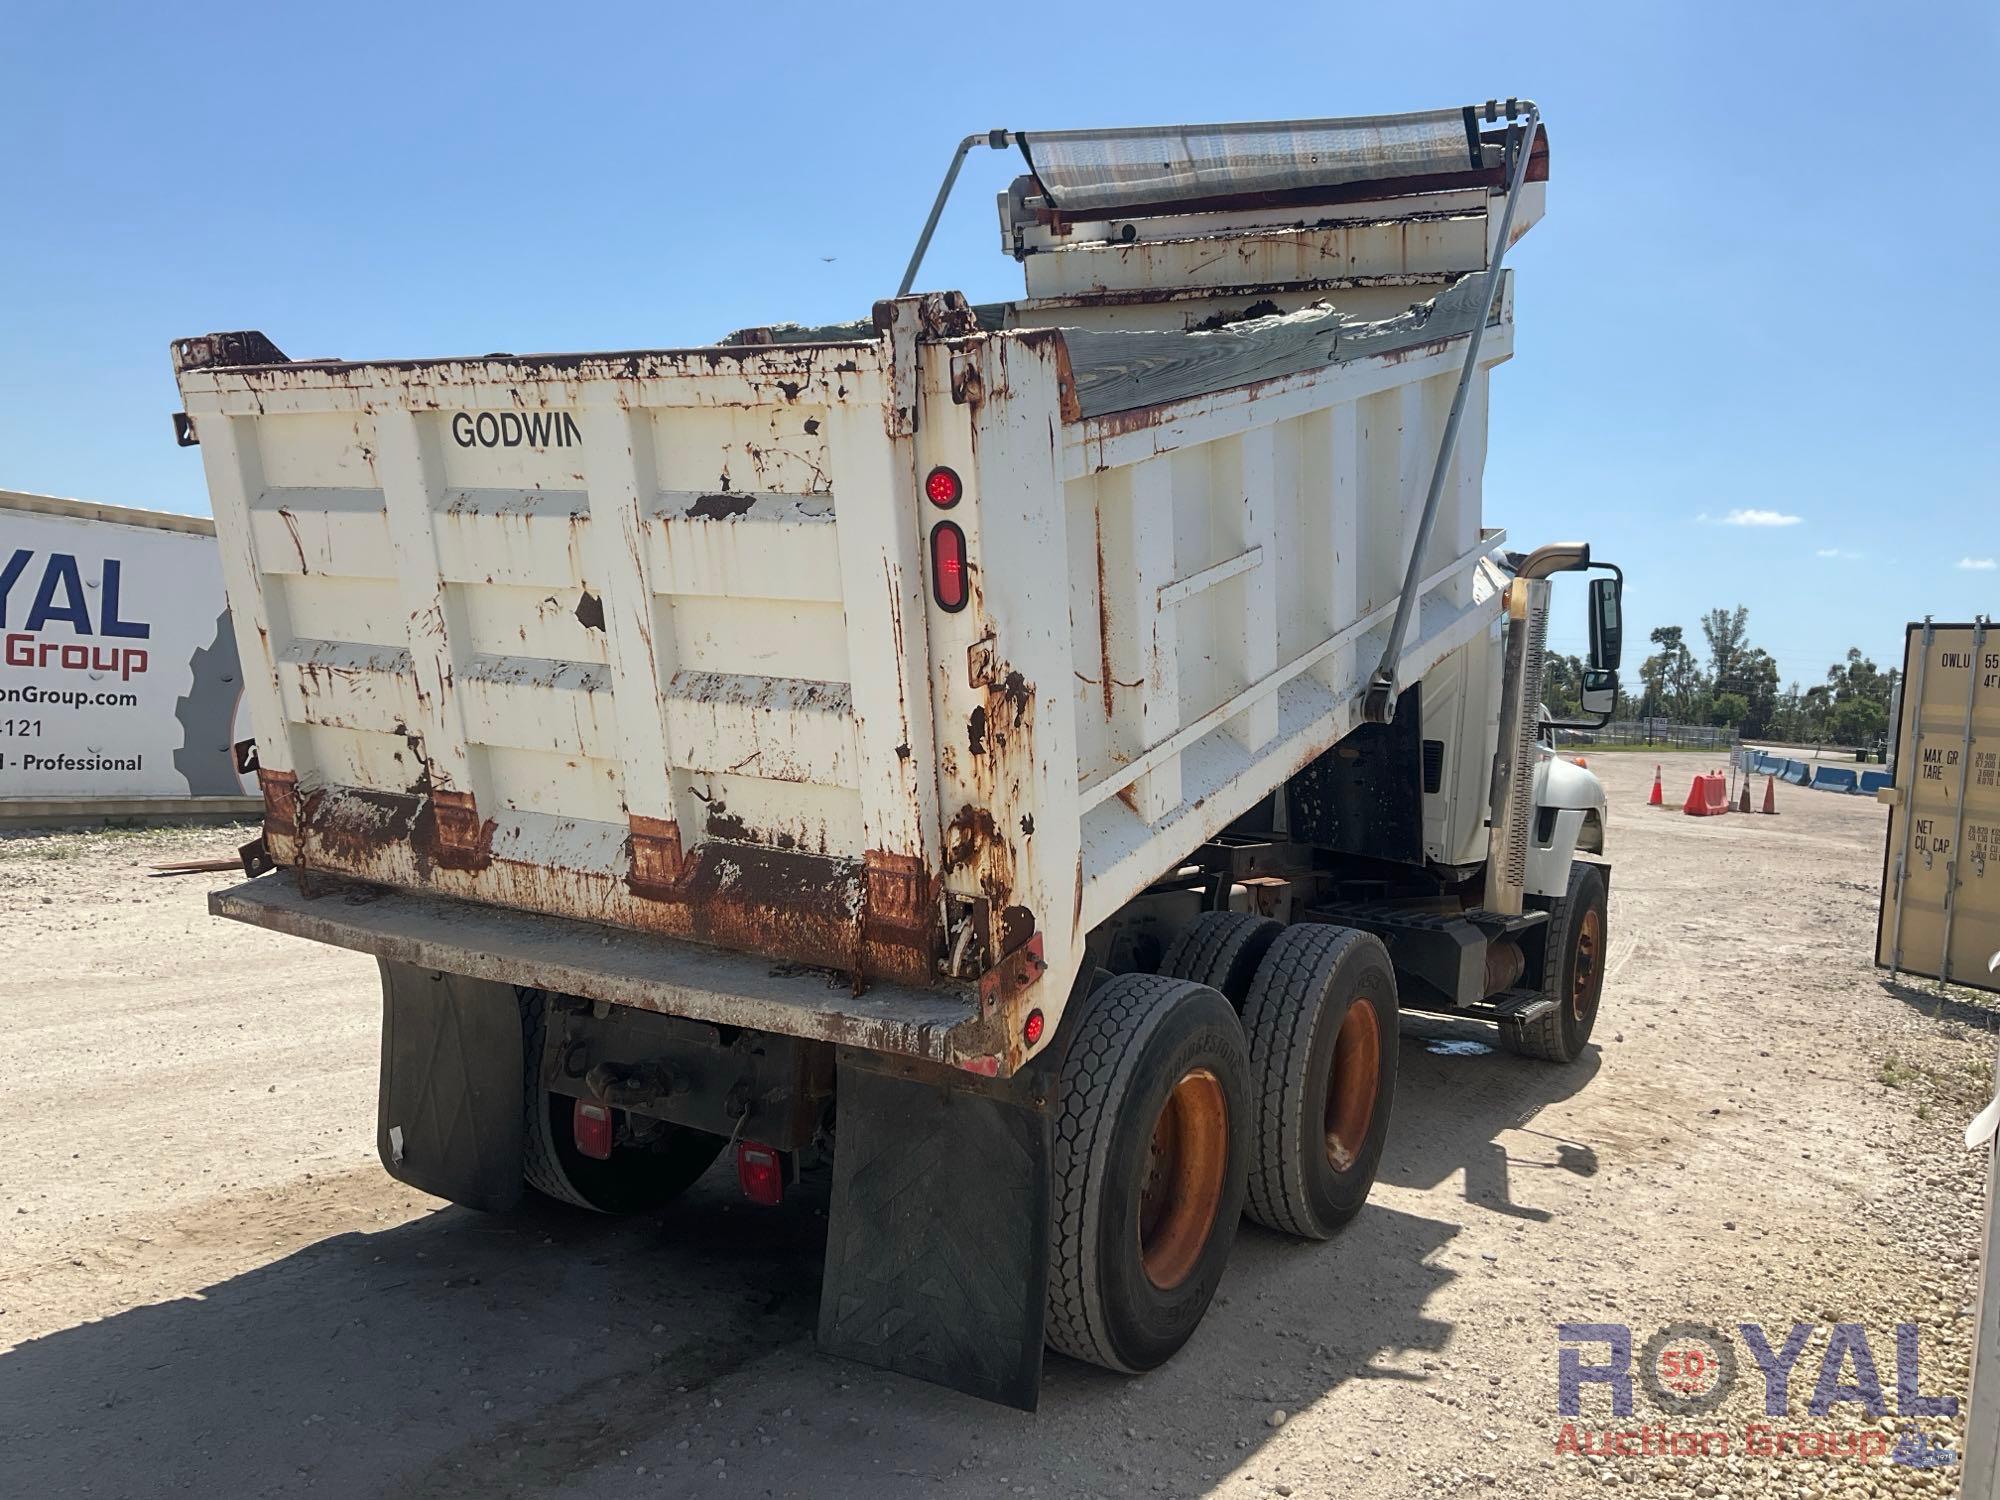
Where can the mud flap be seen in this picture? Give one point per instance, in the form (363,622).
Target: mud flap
(937,1255)
(449,1117)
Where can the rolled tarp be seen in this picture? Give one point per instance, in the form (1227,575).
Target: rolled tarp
(1084,171)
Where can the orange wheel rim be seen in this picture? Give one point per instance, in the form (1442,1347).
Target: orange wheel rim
(1583,983)
(1186,1162)
(1355,1079)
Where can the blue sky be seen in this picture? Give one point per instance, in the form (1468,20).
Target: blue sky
(1764,286)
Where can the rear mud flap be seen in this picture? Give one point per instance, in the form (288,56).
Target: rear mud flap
(449,1120)
(937,1256)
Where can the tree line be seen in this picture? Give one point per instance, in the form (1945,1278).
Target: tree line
(1739,687)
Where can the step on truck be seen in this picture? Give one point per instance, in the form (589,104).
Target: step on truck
(1024,754)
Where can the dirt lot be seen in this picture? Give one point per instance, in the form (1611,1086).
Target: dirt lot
(209,1286)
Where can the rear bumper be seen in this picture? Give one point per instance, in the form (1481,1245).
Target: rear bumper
(621,967)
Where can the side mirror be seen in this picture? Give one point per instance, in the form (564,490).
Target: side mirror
(1607,626)
(1600,692)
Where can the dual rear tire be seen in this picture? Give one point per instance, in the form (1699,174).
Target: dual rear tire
(1175,1115)
(1152,1136)
(1321,1021)
(635,1178)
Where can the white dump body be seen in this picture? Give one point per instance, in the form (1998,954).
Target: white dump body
(651,640)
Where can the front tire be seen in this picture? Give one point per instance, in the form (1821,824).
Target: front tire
(1321,1021)
(1572,973)
(1151,1145)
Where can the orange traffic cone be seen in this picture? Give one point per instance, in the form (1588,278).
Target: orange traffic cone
(1656,799)
(1743,802)
(1771,795)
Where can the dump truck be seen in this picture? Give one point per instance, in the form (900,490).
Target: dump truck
(1013,761)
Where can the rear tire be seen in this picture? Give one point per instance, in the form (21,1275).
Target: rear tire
(1572,973)
(1221,949)
(633,1179)
(1151,1144)
(1321,1023)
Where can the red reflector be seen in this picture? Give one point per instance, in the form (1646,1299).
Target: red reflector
(1031,1029)
(943,488)
(760,1172)
(591,1125)
(948,566)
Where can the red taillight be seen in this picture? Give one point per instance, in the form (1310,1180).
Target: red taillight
(1031,1029)
(942,488)
(591,1126)
(948,566)
(760,1172)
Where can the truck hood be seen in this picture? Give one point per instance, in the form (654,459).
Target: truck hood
(1564,783)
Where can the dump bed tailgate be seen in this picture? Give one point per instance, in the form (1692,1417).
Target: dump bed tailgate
(580,635)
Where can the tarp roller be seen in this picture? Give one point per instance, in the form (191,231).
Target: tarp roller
(1098,170)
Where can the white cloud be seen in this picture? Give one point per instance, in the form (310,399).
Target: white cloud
(1978,564)
(1760,518)
(1835,552)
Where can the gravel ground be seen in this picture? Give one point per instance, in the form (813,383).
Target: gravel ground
(210,1287)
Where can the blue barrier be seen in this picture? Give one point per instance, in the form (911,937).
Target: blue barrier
(1833,779)
(1797,772)
(1873,781)
(1767,764)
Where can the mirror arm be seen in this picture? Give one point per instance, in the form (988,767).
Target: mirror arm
(1597,723)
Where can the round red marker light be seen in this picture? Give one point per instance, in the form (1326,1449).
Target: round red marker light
(1031,1029)
(943,488)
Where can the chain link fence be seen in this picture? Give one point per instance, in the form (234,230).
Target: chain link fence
(1658,733)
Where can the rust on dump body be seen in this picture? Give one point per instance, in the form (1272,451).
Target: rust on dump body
(280,790)
(348,827)
(872,918)
(451,831)
(1016,973)
(979,848)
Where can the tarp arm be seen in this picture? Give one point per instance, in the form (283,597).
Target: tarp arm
(999,140)
(1380,704)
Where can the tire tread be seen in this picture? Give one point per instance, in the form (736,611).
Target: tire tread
(540,1165)
(1281,1020)
(1100,1062)
(1213,949)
